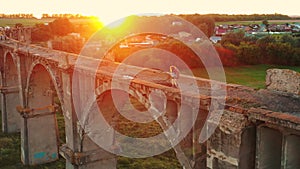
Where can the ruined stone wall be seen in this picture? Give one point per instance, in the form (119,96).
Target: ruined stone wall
(284,80)
(232,145)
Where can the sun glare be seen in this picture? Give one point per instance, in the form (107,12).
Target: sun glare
(97,22)
(116,24)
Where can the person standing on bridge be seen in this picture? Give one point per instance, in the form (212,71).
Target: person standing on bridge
(174,72)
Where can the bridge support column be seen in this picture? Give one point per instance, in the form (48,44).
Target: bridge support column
(291,152)
(277,148)
(9,90)
(39,130)
(39,135)
(232,143)
(91,157)
(190,144)
(269,148)
(10,117)
(80,151)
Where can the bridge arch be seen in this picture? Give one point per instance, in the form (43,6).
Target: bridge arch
(50,73)
(140,101)
(139,98)
(141,95)
(105,93)
(41,90)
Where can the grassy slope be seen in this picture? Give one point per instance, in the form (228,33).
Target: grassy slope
(252,76)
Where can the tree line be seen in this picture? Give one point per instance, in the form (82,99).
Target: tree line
(45,16)
(15,16)
(234,46)
(252,17)
(44,32)
(58,32)
(69,16)
(205,23)
(216,17)
(270,49)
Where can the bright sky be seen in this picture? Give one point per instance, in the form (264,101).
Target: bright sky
(111,10)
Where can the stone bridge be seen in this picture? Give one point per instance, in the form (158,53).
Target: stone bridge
(258,129)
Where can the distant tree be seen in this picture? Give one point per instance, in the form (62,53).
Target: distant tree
(234,38)
(243,17)
(227,56)
(266,23)
(248,53)
(250,39)
(210,23)
(280,53)
(204,28)
(297,42)
(262,44)
(45,16)
(296,57)
(61,27)
(19,25)
(264,41)
(41,33)
(68,44)
(288,39)
(205,23)
(182,51)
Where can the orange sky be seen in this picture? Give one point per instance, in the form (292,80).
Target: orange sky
(111,10)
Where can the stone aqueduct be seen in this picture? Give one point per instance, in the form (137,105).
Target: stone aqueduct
(259,129)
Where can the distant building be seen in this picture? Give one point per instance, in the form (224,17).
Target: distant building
(176,23)
(215,39)
(220,31)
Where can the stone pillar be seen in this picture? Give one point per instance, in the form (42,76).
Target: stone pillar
(190,144)
(10,117)
(80,151)
(269,148)
(232,145)
(39,133)
(39,139)
(291,151)
(9,91)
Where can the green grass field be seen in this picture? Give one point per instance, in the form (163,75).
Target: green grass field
(25,22)
(252,76)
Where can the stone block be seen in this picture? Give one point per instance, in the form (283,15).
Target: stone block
(283,80)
